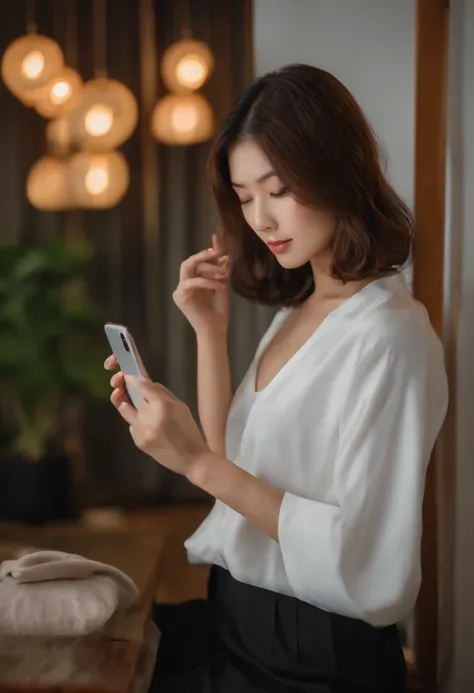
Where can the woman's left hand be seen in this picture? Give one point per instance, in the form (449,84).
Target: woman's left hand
(163,426)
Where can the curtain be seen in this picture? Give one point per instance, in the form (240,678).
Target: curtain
(167,214)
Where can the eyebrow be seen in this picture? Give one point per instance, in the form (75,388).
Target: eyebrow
(260,179)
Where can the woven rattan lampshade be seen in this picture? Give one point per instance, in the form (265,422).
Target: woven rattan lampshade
(98,180)
(182,119)
(61,95)
(106,116)
(186,65)
(30,63)
(46,186)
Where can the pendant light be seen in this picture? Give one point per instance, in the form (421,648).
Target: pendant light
(64,92)
(107,114)
(99,180)
(46,186)
(61,95)
(30,63)
(186,65)
(98,177)
(182,119)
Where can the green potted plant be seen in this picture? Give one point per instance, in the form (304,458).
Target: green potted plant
(51,354)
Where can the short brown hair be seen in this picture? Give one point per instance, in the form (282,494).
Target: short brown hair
(321,146)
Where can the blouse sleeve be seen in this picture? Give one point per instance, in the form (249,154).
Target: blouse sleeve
(361,557)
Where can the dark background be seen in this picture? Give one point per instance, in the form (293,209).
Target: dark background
(167,214)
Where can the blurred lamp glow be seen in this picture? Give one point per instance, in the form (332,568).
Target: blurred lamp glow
(106,115)
(98,120)
(60,96)
(30,63)
(98,181)
(60,92)
(46,187)
(186,65)
(191,72)
(182,119)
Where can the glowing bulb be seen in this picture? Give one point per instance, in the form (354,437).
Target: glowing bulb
(98,120)
(60,92)
(33,64)
(97,179)
(191,71)
(61,95)
(184,119)
(186,65)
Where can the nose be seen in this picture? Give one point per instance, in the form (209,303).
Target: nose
(263,220)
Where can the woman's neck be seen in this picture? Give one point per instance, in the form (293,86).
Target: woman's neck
(328,287)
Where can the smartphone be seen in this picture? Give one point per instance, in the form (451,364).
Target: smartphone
(129,360)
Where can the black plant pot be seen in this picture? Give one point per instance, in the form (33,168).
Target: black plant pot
(35,492)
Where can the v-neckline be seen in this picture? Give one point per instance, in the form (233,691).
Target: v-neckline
(349,304)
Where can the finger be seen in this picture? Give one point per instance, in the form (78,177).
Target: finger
(188,267)
(201,283)
(148,389)
(129,413)
(117,380)
(110,363)
(215,242)
(118,396)
(205,269)
(224,263)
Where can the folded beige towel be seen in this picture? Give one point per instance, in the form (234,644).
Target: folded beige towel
(56,593)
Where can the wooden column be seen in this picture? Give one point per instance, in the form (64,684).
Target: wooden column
(430,157)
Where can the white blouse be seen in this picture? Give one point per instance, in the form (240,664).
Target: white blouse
(346,430)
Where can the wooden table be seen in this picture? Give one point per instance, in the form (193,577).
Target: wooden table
(108,662)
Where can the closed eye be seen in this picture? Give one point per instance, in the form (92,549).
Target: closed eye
(281,193)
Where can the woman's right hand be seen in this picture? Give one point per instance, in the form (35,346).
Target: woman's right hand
(202,294)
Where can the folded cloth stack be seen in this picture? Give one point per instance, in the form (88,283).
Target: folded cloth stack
(51,593)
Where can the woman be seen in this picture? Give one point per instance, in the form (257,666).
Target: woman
(318,462)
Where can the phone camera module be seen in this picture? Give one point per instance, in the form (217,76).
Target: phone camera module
(124,342)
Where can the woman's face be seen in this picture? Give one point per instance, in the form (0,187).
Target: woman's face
(295,233)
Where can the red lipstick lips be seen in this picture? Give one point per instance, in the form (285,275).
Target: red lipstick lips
(279,246)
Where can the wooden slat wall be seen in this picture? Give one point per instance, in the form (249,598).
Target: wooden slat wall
(430,149)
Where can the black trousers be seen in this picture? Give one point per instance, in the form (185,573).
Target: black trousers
(245,639)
